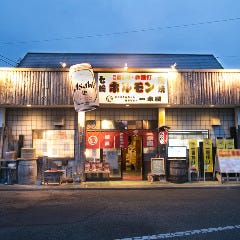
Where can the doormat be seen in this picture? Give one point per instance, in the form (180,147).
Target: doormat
(132,178)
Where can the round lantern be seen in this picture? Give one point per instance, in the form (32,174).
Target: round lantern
(85,92)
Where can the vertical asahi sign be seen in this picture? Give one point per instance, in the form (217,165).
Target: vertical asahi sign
(85,92)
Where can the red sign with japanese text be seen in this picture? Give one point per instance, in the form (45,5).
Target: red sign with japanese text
(117,139)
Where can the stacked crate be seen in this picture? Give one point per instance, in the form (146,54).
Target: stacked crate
(27,166)
(28,153)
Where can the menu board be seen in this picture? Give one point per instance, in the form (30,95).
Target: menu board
(157,166)
(228,161)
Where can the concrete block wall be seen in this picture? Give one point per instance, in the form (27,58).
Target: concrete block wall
(23,120)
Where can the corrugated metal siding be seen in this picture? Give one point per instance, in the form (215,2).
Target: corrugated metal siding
(183,61)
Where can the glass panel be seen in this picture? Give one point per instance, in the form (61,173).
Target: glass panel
(107,124)
(54,143)
(92,124)
(150,124)
(181,137)
(121,125)
(113,158)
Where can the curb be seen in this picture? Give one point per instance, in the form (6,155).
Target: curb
(118,186)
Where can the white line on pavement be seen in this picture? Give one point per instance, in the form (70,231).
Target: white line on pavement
(181,234)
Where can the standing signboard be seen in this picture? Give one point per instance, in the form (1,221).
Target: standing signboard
(207,155)
(227,162)
(157,168)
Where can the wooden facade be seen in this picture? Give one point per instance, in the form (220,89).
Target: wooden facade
(52,87)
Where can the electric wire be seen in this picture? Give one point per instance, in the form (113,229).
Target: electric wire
(8,61)
(122,32)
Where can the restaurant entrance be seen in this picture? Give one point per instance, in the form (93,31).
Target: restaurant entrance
(132,159)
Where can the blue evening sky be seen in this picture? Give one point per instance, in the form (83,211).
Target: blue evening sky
(120,26)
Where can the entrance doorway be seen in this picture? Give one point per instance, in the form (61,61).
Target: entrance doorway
(132,159)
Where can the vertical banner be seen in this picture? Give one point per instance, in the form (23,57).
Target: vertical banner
(220,143)
(229,143)
(193,154)
(207,155)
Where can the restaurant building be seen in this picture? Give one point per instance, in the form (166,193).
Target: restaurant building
(147,102)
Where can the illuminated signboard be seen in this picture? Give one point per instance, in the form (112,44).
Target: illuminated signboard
(133,88)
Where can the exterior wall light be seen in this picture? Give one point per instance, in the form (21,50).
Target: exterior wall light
(63,64)
(125,69)
(172,74)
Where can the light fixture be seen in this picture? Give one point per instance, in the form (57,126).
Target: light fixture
(63,64)
(125,67)
(29,105)
(173,67)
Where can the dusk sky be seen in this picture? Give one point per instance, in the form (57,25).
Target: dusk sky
(120,26)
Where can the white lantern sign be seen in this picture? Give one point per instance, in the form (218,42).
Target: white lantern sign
(85,91)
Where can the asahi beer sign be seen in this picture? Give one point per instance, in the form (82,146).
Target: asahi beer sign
(85,92)
(133,88)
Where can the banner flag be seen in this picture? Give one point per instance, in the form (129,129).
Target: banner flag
(207,155)
(229,143)
(193,154)
(220,143)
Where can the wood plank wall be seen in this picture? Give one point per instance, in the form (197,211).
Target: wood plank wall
(205,88)
(52,87)
(35,87)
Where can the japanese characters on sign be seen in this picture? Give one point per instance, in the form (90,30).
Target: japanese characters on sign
(228,161)
(133,88)
(85,93)
(117,139)
(193,154)
(207,155)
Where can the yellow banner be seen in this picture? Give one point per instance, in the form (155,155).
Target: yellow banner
(207,155)
(220,143)
(193,154)
(229,143)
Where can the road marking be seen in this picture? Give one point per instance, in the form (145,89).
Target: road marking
(181,234)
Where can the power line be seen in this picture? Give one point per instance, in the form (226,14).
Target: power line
(8,59)
(7,62)
(123,32)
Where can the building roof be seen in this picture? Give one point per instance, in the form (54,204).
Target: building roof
(118,60)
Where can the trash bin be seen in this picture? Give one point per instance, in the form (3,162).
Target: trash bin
(27,171)
(11,173)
